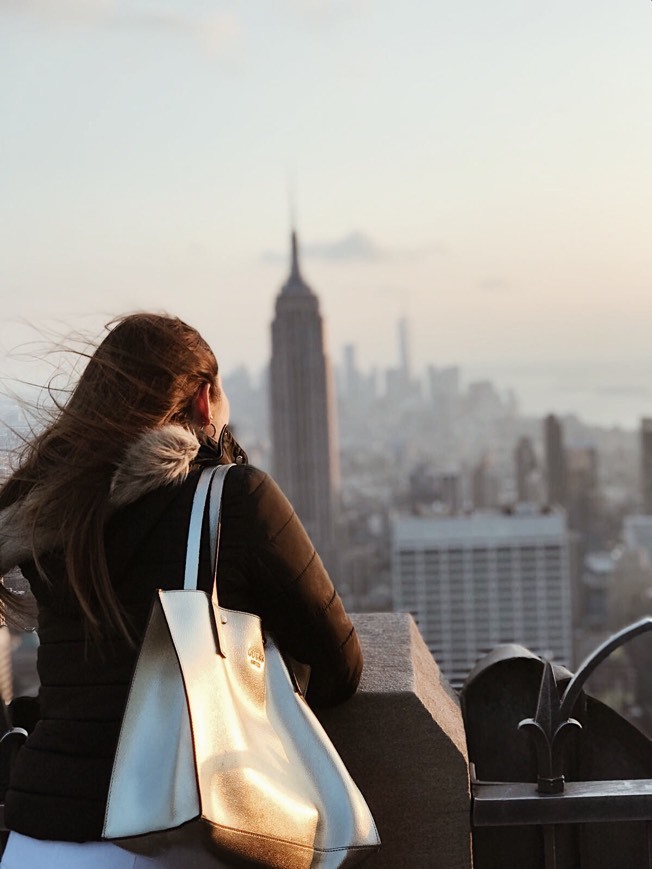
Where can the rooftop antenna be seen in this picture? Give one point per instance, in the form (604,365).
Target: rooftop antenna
(292,201)
(292,209)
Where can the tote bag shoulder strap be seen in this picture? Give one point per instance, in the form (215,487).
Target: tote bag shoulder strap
(209,487)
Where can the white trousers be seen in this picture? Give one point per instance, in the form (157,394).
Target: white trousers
(22,852)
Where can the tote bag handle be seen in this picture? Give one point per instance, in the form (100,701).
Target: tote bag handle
(209,487)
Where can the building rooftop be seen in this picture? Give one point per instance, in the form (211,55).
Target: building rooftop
(478,527)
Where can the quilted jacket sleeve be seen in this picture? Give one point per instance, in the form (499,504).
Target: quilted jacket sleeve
(265,547)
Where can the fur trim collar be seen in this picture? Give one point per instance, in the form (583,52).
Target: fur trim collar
(157,458)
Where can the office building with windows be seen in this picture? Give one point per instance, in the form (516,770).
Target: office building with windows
(473,582)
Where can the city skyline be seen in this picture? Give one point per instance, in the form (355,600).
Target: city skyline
(37,351)
(480,169)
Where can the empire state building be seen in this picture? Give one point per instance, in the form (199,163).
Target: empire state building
(303,431)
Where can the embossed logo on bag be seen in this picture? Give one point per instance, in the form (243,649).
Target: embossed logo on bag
(256,658)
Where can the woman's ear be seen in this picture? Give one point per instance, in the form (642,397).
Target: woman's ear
(202,404)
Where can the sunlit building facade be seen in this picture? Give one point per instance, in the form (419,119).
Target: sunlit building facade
(472,582)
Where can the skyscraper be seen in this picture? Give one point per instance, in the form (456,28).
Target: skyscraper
(484,484)
(555,461)
(583,493)
(404,350)
(646,464)
(302,408)
(525,461)
(351,376)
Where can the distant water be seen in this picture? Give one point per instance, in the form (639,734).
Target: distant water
(601,393)
(604,393)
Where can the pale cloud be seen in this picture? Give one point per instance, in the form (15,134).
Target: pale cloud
(493,284)
(222,34)
(60,11)
(328,8)
(326,16)
(355,246)
(218,31)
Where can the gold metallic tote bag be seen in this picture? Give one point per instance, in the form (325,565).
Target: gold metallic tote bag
(219,746)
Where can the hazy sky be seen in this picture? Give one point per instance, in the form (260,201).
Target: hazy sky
(484,168)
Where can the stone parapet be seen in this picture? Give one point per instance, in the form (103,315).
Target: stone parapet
(402,738)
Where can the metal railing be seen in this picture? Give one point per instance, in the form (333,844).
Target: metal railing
(562,811)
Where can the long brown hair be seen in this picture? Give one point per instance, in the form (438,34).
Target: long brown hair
(145,373)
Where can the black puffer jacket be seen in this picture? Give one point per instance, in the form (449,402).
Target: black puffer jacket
(267,565)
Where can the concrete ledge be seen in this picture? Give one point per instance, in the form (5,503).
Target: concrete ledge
(402,738)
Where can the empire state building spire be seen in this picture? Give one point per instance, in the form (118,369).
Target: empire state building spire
(294,271)
(303,442)
(295,284)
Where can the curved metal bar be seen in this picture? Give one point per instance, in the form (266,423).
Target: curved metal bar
(589,664)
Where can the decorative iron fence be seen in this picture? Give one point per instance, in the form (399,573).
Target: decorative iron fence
(550,822)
